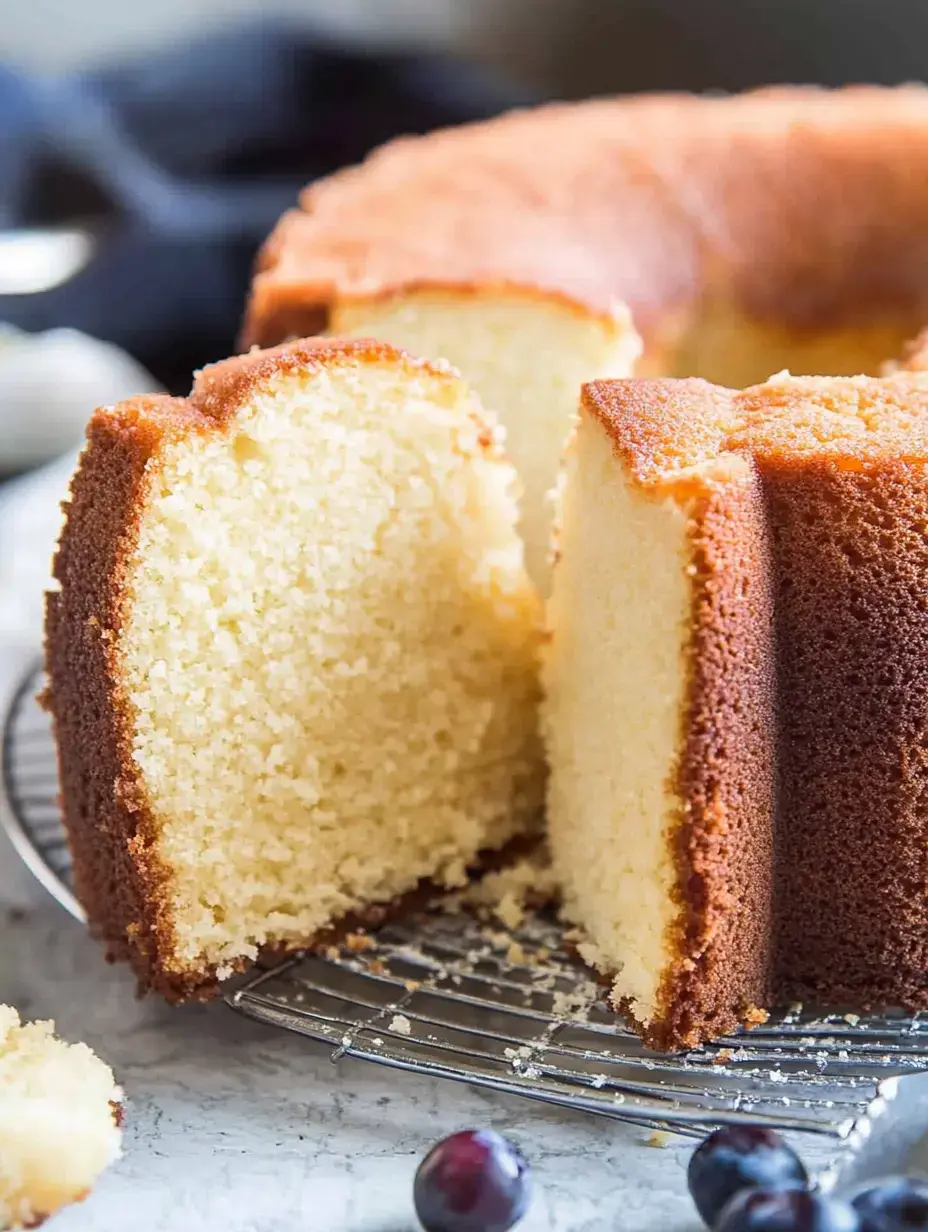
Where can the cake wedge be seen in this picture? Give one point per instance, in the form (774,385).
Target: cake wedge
(292,655)
(736,710)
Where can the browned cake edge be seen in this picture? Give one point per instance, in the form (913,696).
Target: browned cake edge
(722,837)
(118,880)
(118,877)
(851,900)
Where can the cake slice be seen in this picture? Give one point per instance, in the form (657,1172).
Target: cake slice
(737,697)
(292,658)
(60,1111)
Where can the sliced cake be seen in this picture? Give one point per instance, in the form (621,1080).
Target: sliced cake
(737,696)
(60,1111)
(292,656)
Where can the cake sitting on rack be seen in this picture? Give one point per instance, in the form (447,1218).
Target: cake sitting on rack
(292,655)
(737,709)
(60,1111)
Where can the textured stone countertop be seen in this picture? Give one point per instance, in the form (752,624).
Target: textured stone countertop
(236,1126)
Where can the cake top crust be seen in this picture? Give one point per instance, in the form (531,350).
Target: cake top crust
(663,429)
(221,389)
(767,199)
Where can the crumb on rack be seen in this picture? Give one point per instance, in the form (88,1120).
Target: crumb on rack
(357,943)
(508,893)
(515,954)
(400,1024)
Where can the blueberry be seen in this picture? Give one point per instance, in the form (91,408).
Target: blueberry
(740,1157)
(474,1181)
(895,1205)
(786,1210)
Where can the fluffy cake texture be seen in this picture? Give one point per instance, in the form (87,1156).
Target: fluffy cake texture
(60,1111)
(737,696)
(292,657)
(781,228)
(526,355)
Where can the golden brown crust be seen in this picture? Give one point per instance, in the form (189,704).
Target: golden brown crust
(112,836)
(851,904)
(109,828)
(796,206)
(221,388)
(723,842)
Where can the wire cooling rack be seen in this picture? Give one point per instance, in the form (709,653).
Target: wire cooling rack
(447,994)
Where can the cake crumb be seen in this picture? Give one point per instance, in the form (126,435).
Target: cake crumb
(376,967)
(412,985)
(723,1055)
(755,1017)
(333,953)
(852,1019)
(400,1024)
(357,943)
(522,1053)
(496,939)
(659,1138)
(599,1081)
(508,893)
(515,954)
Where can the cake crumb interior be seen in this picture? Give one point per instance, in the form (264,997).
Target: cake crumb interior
(619,620)
(329,656)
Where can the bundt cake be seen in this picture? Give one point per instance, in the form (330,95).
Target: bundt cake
(736,712)
(783,228)
(60,1114)
(292,655)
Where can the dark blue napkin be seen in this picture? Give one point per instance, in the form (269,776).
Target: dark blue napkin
(182,161)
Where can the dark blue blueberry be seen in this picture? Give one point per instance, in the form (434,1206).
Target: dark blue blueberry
(895,1205)
(738,1157)
(787,1210)
(474,1181)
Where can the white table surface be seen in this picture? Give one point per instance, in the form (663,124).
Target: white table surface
(231,1125)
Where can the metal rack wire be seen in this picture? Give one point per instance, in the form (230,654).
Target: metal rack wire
(445,994)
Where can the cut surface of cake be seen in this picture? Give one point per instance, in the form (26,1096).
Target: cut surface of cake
(737,697)
(292,656)
(60,1112)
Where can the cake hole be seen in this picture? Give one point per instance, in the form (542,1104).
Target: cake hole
(246,449)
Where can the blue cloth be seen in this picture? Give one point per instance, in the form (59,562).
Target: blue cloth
(182,162)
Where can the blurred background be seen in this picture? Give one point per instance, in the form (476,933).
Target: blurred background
(146,151)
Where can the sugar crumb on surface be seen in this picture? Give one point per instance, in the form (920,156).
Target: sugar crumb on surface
(400,1024)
